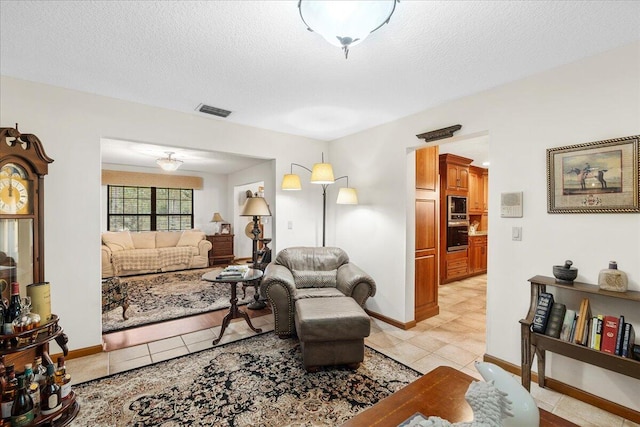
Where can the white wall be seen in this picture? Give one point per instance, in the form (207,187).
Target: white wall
(70,125)
(594,99)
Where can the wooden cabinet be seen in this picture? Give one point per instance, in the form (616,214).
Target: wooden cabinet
(485,191)
(456,265)
(537,344)
(457,172)
(426,237)
(32,343)
(477,254)
(222,250)
(477,202)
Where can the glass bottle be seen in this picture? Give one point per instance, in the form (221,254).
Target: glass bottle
(22,410)
(15,303)
(32,387)
(9,392)
(39,371)
(63,379)
(50,399)
(12,310)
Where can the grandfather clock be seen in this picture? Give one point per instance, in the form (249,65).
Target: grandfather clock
(23,165)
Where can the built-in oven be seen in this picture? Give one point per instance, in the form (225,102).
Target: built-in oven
(457,235)
(457,208)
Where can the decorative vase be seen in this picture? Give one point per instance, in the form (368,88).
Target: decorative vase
(612,279)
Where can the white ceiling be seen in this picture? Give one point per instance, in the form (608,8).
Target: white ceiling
(257,59)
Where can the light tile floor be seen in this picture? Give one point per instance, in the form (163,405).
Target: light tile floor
(456,338)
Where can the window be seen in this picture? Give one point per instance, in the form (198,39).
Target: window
(149,208)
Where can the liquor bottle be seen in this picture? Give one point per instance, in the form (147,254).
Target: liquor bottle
(22,410)
(13,311)
(33,388)
(39,372)
(9,392)
(50,399)
(15,304)
(63,379)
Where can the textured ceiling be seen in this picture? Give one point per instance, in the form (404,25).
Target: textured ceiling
(257,59)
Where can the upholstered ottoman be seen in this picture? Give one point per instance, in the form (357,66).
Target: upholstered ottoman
(331,331)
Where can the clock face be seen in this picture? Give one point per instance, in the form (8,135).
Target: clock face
(15,190)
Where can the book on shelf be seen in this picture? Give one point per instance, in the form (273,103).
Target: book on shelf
(618,348)
(598,332)
(609,334)
(567,324)
(582,325)
(556,317)
(573,328)
(628,341)
(543,309)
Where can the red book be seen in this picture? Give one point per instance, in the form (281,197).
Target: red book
(609,334)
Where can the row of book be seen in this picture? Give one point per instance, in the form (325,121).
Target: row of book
(610,334)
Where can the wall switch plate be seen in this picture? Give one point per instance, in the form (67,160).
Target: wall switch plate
(290,225)
(516,233)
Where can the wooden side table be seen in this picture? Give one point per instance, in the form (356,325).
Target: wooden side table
(222,250)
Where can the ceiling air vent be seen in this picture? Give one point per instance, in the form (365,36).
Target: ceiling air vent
(208,109)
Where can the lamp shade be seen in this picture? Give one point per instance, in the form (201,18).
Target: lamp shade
(217,217)
(291,181)
(255,206)
(322,173)
(347,196)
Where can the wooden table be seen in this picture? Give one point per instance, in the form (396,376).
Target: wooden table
(438,393)
(234,312)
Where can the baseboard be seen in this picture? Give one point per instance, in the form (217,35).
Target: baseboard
(571,391)
(81,352)
(391,321)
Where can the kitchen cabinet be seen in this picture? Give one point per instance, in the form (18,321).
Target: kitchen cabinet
(485,190)
(477,202)
(477,254)
(457,172)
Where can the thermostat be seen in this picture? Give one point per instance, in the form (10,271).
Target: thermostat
(511,205)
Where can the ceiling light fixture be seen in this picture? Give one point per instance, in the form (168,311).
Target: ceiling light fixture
(168,164)
(345,23)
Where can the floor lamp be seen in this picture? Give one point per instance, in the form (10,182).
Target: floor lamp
(322,174)
(255,207)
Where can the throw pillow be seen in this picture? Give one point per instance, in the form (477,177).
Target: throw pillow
(190,238)
(117,240)
(167,239)
(144,240)
(314,279)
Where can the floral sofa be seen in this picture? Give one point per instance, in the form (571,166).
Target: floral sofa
(127,253)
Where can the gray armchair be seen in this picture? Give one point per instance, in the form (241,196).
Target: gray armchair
(310,272)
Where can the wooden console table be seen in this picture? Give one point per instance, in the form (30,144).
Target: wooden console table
(438,393)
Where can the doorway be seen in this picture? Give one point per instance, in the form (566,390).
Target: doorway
(469,264)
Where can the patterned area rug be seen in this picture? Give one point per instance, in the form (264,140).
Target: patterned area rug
(158,297)
(258,381)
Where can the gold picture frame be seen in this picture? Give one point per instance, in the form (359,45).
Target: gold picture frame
(594,177)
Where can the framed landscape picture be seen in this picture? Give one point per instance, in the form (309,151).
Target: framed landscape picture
(595,177)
